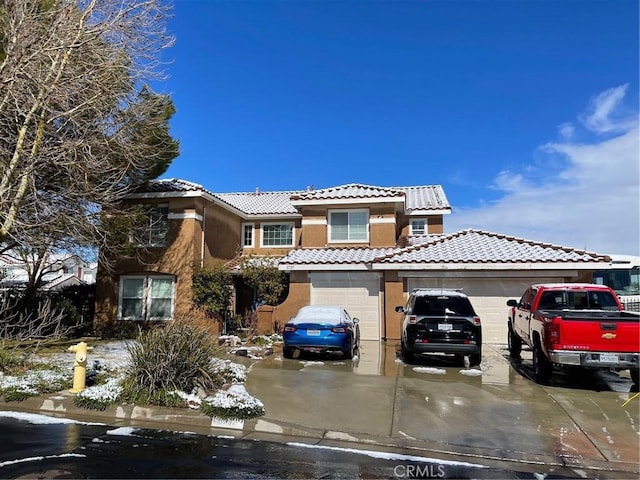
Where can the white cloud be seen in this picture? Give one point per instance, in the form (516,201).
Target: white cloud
(567,130)
(591,200)
(599,115)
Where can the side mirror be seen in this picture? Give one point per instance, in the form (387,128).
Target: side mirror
(400,309)
(512,303)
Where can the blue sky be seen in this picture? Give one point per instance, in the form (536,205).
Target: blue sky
(525,112)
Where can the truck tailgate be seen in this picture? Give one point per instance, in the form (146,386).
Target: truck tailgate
(620,334)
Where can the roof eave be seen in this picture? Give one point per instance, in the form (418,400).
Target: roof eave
(172,194)
(324,267)
(348,201)
(271,216)
(488,266)
(428,211)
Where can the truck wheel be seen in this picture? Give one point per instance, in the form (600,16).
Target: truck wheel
(515,342)
(541,366)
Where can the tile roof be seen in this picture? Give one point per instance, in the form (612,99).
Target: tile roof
(260,203)
(426,197)
(421,197)
(249,203)
(349,191)
(477,246)
(172,185)
(324,256)
(464,247)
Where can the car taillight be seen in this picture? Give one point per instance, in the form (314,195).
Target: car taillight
(552,330)
(339,330)
(290,328)
(412,319)
(476,321)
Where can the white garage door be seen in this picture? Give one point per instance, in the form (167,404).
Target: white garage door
(357,292)
(489,298)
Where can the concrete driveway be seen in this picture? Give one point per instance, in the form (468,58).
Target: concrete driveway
(496,412)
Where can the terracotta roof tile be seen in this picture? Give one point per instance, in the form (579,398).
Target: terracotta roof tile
(323,256)
(477,246)
(349,191)
(426,197)
(260,203)
(421,197)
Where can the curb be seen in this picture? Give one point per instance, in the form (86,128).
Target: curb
(60,405)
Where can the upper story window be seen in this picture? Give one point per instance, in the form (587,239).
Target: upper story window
(349,225)
(277,234)
(247,235)
(146,297)
(152,231)
(418,226)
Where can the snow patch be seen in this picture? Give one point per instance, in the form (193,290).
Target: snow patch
(471,372)
(124,431)
(311,363)
(38,419)
(432,370)
(388,456)
(40,458)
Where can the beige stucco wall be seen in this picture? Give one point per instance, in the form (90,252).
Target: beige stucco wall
(393,295)
(258,249)
(178,259)
(222,233)
(434,224)
(271,319)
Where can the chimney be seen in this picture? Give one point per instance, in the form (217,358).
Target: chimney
(257,191)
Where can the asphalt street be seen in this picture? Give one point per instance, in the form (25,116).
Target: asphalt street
(581,426)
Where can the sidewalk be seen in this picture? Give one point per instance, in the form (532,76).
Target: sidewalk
(314,431)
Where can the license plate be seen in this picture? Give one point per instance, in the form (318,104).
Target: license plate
(608,358)
(445,327)
(313,333)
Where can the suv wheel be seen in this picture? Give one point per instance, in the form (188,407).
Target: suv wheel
(405,355)
(475,359)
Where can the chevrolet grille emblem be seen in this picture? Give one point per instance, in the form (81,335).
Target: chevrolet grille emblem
(609,336)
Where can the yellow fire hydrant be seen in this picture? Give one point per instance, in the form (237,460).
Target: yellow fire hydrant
(79,366)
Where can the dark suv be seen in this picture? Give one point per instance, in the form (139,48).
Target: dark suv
(440,321)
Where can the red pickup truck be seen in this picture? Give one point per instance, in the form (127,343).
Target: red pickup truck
(574,324)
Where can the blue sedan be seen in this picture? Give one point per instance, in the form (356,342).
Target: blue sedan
(321,329)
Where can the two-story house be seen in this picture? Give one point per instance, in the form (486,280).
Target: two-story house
(360,246)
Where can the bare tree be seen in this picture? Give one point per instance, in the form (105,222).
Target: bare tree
(79,125)
(43,320)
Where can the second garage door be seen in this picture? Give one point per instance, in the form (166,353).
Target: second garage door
(489,298)
(357,292)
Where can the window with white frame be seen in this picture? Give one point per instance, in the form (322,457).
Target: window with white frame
(349,225)
(146,297)
(418,226)
(247,235)
(277,234)
(152,230)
